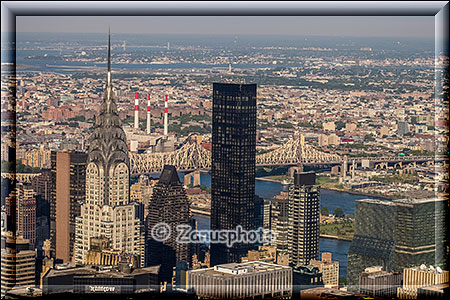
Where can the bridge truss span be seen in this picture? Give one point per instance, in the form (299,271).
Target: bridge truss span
(191,156)
(289,154)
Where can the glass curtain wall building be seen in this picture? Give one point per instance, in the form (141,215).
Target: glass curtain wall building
(233,165)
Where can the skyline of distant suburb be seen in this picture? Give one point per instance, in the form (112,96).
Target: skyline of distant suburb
(353,26)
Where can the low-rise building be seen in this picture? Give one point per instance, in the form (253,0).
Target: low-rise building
(323,140)
(333,139)
(106,280)
(329,126)
(350,126)
(266,254)
(418,277)
(376,282)
(24,292)
(306,277)
(384,131)
(329,269)
(241,280)
(328,293)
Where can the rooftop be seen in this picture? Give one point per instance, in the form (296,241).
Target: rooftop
(92,271)
(376,201)
(235,269)
(377,271)
(416,201)
(169,175)
(24,291)
(428,269)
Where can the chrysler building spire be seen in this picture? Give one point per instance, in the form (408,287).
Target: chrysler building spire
(108,76)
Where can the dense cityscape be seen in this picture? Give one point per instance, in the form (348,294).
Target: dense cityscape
(336,146)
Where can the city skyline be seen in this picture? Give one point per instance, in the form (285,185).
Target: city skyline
(329,124)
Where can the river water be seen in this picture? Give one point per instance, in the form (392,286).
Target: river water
(54,63)
(328,198)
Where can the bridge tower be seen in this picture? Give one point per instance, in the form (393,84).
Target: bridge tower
(344,168)
(299,167)
(301,144)
(353,168)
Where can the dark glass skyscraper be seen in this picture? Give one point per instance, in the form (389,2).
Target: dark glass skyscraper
(233,165)
(397,234)
(373,243)
(169,204)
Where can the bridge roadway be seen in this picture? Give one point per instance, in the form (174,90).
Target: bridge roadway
(359,160)
(27,177)
(193,156)
(399,158)
(153,163)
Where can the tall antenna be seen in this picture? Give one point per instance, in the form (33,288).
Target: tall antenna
(108,78)
(109,49)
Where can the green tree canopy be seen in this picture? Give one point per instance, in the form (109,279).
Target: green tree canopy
(324,211)
(339,213)
(339,125)
(369,137)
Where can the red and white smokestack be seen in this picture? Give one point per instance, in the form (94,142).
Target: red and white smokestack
(148,114)
(166,117)
(136,111)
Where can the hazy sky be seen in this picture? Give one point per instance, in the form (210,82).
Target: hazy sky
(298,25)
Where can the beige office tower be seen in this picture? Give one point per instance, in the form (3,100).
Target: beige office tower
(107,211)
(67,196)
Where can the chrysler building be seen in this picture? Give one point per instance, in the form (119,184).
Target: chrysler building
(107,211)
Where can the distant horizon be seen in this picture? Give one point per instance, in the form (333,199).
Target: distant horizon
(330,26)
(229,34)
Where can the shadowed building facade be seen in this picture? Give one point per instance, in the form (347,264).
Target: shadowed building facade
(169,204)
(233,165)
(23,196)
(397,234)
(374,238)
